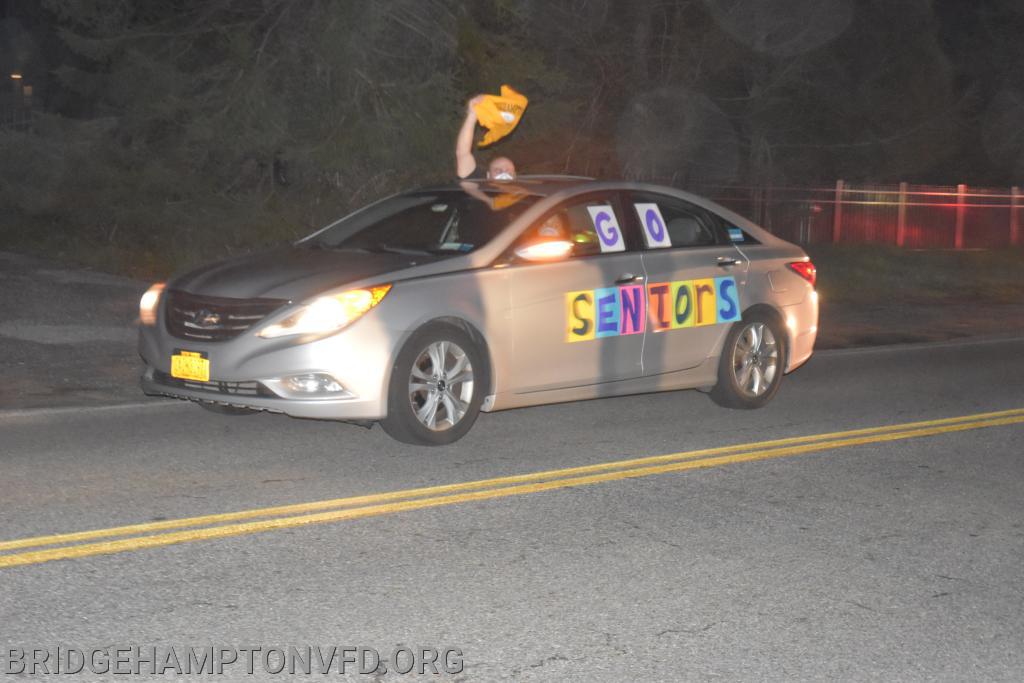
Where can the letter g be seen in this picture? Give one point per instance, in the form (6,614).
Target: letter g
(612,236)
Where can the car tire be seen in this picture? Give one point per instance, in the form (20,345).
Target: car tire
(752,363)
(437,385)
(222,409)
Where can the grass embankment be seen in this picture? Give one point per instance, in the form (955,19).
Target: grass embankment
(875,275)
(151,252)
(883,295)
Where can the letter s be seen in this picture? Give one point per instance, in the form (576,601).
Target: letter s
(727,295)
(584,324)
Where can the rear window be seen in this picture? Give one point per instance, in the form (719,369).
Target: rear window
(438,222)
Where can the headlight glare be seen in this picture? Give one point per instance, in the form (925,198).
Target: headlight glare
(328,313)
(149,303)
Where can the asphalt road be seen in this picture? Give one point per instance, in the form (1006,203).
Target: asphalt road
(890,554)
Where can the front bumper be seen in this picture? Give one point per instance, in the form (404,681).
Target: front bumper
(245,371)
(155,383)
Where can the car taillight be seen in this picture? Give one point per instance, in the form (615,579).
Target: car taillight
(804,269)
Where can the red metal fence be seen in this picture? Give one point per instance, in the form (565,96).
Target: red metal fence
(912,216)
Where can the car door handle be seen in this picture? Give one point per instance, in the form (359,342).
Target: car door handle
(726,262)
(628,278)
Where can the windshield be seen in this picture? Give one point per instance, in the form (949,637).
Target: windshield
(426,222)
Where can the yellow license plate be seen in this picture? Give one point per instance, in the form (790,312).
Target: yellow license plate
(190,365)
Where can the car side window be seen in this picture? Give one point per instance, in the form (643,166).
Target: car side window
(593,226)
(668,222)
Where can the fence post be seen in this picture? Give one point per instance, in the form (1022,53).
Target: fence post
(837,214)
(1014,219)
(958,241)
(901,216)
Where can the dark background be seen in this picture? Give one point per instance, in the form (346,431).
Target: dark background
(157,134)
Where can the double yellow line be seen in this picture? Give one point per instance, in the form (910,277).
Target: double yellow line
(155,534)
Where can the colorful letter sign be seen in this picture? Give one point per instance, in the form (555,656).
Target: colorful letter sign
(655,232)
(633,319)
(580,316)
(607,314)
(609,234)
(615,311)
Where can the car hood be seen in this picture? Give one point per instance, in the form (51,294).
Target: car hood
(294,273)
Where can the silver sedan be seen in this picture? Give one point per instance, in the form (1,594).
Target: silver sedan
(428,307)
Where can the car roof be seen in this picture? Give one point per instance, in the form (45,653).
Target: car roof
(538,185)
(549,185)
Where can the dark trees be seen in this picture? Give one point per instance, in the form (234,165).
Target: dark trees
(199,125)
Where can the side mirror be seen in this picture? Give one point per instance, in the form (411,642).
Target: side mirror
(554,250)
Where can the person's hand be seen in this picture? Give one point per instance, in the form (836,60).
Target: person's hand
(473,102)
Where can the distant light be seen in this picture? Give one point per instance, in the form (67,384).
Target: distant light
(16,76)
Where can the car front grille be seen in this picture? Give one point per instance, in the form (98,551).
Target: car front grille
(214,319)
(224,388)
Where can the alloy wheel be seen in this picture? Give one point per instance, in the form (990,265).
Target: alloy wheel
(755,359)
(441,385)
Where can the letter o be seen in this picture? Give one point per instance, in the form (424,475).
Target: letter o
(654,225)
(283,661)
(412,660)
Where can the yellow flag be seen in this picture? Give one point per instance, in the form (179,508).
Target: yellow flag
(499,114)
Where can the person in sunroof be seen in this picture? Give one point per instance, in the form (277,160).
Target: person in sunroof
(501,168)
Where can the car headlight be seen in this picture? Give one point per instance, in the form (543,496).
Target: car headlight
(149,303)
(328,313)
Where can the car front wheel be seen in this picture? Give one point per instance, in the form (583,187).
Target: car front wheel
(752,363)
(436,388)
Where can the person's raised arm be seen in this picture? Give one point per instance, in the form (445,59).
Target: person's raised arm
(465,162)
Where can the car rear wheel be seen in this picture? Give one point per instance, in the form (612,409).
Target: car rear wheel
(437,386)
(752,363)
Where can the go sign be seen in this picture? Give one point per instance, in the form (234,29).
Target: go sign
(655,234)
(609,234)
